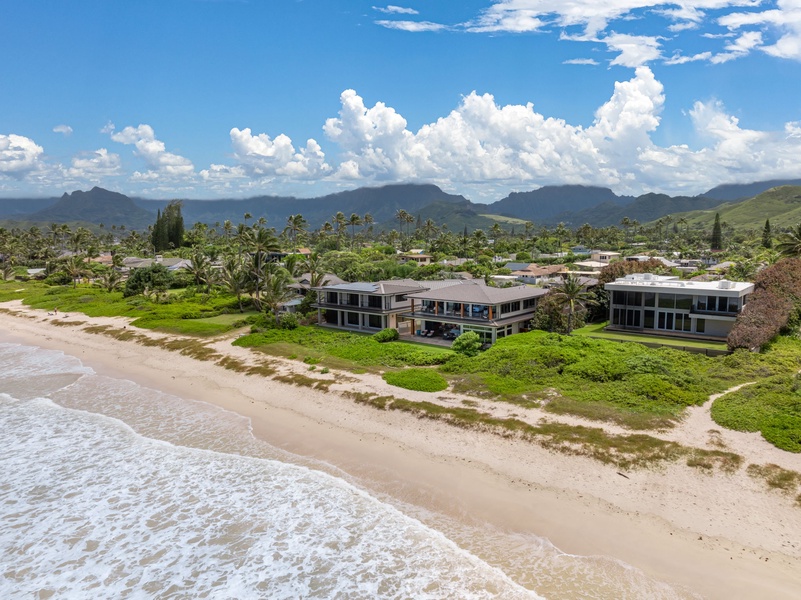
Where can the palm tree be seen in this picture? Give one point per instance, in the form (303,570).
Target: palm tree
(275,288)
(259,242)
(295,226)
(75,268)
(790,242)
(354,221)
(339,223)
(571,294)
(201,269)
(110,280)
(234,276)
(479,241)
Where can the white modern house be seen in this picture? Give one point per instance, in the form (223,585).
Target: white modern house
(657,304)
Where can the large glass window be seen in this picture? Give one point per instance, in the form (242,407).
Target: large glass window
(684,301)
(374,301)
(618,297)
(375,321)
(649,319)
(353,318)
(649,298)
(667,300)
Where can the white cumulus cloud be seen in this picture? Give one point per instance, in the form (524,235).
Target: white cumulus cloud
(153,151)
(635,50)
(19,155)
(66,130)
(260,156)
(95,165)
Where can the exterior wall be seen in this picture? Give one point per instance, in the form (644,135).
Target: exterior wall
(708,313)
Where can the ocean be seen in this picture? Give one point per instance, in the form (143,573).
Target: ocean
(113,490)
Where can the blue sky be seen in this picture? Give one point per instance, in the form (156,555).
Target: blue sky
(236,98)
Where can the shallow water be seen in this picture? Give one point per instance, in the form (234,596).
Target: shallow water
(113,490)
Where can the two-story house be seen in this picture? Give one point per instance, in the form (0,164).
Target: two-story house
(450,310)
(656,304)
(365,306)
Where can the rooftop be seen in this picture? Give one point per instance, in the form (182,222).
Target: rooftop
(476,292)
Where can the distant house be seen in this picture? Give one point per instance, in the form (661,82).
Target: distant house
(302,284)
(604,256)
(172,264)
(419,259)
(644,257)
(656,304)
(535,275)
(590,266)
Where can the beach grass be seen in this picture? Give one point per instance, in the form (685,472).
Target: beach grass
(420,380)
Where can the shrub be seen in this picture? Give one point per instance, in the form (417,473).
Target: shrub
(386,335)
(288,321)
(155,278)
(59,278)
(469,344)
(774,305)
(420,380)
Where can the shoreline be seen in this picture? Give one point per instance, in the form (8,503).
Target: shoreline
(719,535)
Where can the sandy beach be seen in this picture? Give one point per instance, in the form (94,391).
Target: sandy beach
(717,535)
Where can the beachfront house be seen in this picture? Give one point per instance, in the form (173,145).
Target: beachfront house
(446,311)
(656,304)
(365,306)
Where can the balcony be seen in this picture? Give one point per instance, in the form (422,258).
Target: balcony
(694,310)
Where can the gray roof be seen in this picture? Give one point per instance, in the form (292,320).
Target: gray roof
(383,288)
(516,266)
(476,292)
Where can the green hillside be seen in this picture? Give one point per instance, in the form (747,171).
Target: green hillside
(782,205)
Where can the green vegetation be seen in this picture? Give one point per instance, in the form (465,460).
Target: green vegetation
(771,406)
(623,451)
(781,205)
(351,350)
(628,384)
(187,313)
(420,380)
(596,330)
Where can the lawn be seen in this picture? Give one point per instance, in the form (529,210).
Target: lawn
(341,349)
(596,330)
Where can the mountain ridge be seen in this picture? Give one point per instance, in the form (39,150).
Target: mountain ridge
(572,205)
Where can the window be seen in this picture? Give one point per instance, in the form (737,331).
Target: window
(374,301)
(353,318)
(353,299)
(510,307)
(400,298)
(634,298)
(618,297)
(649,319)
(331,298)
(667,300)
(700,325)
(530,303)
(684,301)
(649,299)
(375,321)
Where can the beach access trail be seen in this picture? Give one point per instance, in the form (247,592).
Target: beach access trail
(722,535)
